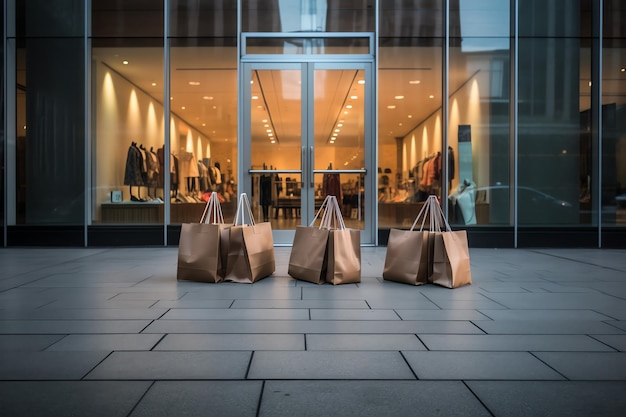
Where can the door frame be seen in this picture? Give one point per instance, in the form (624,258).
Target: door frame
(307,65)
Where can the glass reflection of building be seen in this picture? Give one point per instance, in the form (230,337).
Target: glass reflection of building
(120,118)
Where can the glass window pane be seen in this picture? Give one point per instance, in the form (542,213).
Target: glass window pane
(127,131)
(614,133)
(613,17)
(203,127)
(50,131)
(480,18)
(307,16)
(203,18)
(300,46)
(555,18)
(123,19)
(275,119)
(409,128)
(411,19)
(478,134)
(552,155)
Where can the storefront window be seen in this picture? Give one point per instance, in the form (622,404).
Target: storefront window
(409,110)
(307,16)
(614,115)
(553,184)
(479,129)
(203,107)
(127,113)
(49,151)
(203,127)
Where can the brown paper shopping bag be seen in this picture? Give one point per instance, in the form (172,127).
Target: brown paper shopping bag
(201,248)
(251,247)
(344,247)
(406,259)
(450,251)
(308,259)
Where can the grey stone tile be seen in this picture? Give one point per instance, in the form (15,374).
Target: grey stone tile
(368,399)
(621,324)
(312,326)
(334,304)
(192,304)
(200,398)
(351,314)
(79,302)
(236,314)
(71,326)
(330,342)
(516,343)
(441,315)
(583,315)
(614,313)
(245,292)
(479,365)
(27,342)
(152,295)
(551,398)
(546,327)
(172,365)
(45,313)
(232,342)
(70,398)
(617,341)
(325,365)
(47,365)
(568,301)
(606,366)
(106,342)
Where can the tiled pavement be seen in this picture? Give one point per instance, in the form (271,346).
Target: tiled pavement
(109,332)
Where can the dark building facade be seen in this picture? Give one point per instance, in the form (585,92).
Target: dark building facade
(120,117)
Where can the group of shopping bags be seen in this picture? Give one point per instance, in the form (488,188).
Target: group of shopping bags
(324,251)
(213,251)
(433,255)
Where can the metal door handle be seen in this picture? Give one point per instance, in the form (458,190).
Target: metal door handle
(311,167)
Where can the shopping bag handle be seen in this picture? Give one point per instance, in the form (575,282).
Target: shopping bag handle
(212,211)
(321,210)
(332,218)
(243,207)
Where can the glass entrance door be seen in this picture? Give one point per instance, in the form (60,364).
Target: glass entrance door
(308,135)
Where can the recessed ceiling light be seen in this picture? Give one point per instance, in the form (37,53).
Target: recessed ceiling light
(264,120)
(399,97)
(268,130)
(194,82)
(354,97)
(183,107)
(153,84)
(361,82)
(340,125)
(410,116)
(349,106)
(414,82)
(623,69)
(255,97)
(207,98)
(125,62)
(391,107)
(431,96)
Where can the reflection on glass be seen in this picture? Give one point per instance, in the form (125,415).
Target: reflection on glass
(306,16)
(349,189)
(478,137)
(127,134)
(277,198)
(550,121)
(275,120)
(614,133)
(409,129)
(339,128)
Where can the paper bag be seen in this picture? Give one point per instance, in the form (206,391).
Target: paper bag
(201,248)
(308,260)
(344,247)
(250,248)
(451,262)
(344,257)
(406,260)
(450,251)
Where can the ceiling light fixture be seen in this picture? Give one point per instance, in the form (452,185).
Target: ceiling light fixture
(194,83)
(399,97)
(207,98)
(414,82)
(154,84)
(125,62)
(391,107)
